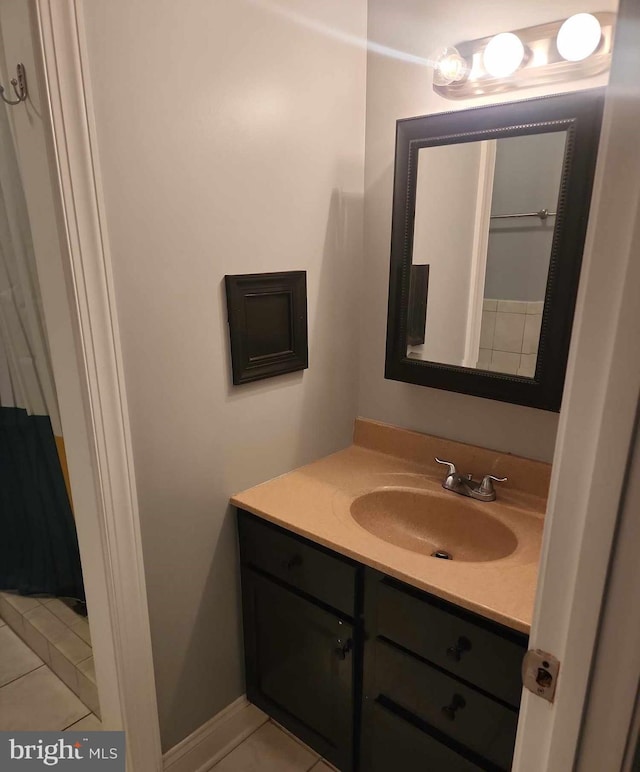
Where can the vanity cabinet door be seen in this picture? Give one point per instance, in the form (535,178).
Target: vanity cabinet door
(299,666)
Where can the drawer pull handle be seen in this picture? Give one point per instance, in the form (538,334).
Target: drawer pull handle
(344,648)
(293,562)
(457,703)
(456,652)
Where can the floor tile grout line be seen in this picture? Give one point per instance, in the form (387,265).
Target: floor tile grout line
(17,678)
(51,646)
(79,719)
(50,669)
(20,611)
(71,630)
(80,619)
(50,643)
(297,740)
(237,746)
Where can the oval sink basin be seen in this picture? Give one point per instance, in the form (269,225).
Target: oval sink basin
(425,523)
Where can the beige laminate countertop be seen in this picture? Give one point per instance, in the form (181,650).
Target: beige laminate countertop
(314,501)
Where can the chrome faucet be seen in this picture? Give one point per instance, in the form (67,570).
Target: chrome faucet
(465,485)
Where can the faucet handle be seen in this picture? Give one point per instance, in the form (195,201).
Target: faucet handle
(486,486)
(452,466)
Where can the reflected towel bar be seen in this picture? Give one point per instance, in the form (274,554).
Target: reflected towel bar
(542,214)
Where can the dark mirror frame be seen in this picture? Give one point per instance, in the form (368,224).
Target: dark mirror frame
(580,115)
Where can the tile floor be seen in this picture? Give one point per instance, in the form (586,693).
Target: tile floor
(270,749)
(32,696)
(59,636)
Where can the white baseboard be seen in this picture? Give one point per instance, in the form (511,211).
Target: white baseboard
(214,740)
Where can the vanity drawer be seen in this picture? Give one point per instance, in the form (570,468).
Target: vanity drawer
(298,562)
(458,643)
(396,744)
(460,712)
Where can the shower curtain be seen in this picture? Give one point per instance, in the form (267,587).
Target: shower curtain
(38,542)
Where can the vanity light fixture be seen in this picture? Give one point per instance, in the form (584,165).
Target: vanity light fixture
(579,37)
(503,55)
(448,66)
(560,51)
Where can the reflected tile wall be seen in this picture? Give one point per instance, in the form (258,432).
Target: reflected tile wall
(509,336)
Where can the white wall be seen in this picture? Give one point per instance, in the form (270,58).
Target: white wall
(231,140)
(397,87)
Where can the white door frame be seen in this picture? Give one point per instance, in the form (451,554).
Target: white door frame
(92,397)
(596,424)
(608,737)
(480,252)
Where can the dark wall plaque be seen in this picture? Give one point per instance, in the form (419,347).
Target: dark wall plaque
(267,324)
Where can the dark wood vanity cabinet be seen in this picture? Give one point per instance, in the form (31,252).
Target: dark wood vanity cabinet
(302,636)
(373,674)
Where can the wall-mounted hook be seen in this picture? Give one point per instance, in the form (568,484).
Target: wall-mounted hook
(19,84)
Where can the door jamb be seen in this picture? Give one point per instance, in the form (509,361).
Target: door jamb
(479,254)
(98,437)
(596,423)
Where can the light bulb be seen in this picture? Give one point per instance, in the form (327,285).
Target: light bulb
(503,55)
(579,37)
(448,66)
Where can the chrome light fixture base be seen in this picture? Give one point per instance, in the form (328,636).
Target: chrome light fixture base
(542,64)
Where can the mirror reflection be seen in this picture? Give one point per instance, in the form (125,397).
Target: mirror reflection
(483,231)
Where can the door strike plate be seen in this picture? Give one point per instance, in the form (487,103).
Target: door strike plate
(540,673)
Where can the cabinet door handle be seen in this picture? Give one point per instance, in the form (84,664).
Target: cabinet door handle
(457,703)
(294,562)
(455,652)
(343,648)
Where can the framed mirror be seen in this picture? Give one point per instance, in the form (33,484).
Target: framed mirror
(490,210)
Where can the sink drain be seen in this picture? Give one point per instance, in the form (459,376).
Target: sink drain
(442,555)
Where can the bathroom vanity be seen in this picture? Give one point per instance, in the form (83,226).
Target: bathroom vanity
(373,652)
